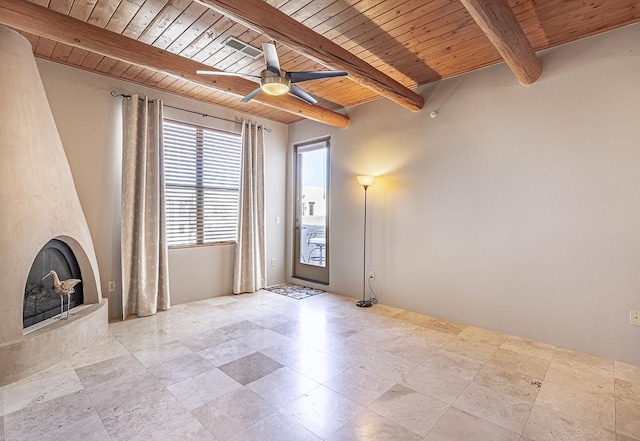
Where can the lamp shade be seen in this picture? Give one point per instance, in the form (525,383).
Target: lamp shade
(365,181)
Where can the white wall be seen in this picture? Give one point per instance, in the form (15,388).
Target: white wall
(516,209)
(89,122)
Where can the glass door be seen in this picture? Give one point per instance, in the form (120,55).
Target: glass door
(311,257)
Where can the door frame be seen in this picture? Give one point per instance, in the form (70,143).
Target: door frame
(301,270)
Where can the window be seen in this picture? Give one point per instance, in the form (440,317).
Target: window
(202,180)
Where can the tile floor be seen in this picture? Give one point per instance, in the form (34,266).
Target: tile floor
(268,367)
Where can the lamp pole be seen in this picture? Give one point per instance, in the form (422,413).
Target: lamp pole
(365,181)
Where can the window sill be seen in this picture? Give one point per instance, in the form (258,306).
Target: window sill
(204,245)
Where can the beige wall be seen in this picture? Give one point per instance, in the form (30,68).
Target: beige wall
(516,209)
(89,123)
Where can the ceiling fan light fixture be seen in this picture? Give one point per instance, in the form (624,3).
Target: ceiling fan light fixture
(274,84)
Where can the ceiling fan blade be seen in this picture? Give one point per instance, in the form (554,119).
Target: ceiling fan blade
(295,90)
(221,73)
(271,57)
(297,77)
(251,96)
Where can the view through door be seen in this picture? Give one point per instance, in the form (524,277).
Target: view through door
(311,257)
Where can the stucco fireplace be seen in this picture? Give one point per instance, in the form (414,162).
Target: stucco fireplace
(39,204)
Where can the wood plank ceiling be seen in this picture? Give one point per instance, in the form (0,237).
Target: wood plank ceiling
(412,41)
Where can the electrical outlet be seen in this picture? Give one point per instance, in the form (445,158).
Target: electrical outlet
(273,262)
(634,317)
(111,286)
(372,275)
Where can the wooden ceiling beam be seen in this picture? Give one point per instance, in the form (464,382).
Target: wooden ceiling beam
(499,23)
(29,17)
(264,18)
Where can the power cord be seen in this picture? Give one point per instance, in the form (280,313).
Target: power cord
(373,299)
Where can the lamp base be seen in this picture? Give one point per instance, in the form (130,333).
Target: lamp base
(364,303)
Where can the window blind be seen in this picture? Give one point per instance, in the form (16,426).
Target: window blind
(202,181)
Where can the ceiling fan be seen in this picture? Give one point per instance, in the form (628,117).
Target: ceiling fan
(277,81)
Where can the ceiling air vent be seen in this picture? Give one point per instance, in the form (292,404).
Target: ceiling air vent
(239,46)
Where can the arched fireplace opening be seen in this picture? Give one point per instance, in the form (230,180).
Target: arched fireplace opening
(40,301)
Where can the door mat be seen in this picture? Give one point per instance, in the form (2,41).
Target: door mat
(294,291)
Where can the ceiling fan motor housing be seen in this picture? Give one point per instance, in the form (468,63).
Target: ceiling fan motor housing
(273,83)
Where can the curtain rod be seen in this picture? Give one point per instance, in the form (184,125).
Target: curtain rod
(204,115)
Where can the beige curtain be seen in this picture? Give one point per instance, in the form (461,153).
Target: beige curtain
(250,270)
(145,278)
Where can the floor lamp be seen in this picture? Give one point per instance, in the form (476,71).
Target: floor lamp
(365,181)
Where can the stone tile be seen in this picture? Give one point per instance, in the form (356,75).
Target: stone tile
(533,367)
(205,339)
(436,383)
(184,427)
(109,370)
(385,311)
(282,387)
(179,369)
(410,409)
(322,411)
(239,329)
(269,319)
(627,392)
(413,318)
(36,421)
(360,355)
(627,372)
(89,428)
(351,351)
(146,339)
(276,426)
(291,328)
(290,352)
(156,355)
(232,413)
(387,365)
(444,326)
(225,352)
(377,338)
(259,339)
(453,363)
(597,407)
(250,368)
(457,425)
(628,419)
(413,351)
(621,437)
(511,383)
(203,388)
(580,376)
(471,348)
(320,367)
(105,348)
(1,402)
(433,338)
(528,347)
(359,385)
(52,383)
(369,426)
(501,409)
(545,424)
(220,300)
(483,336)
(123,389)
(584,361)
(141,415)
